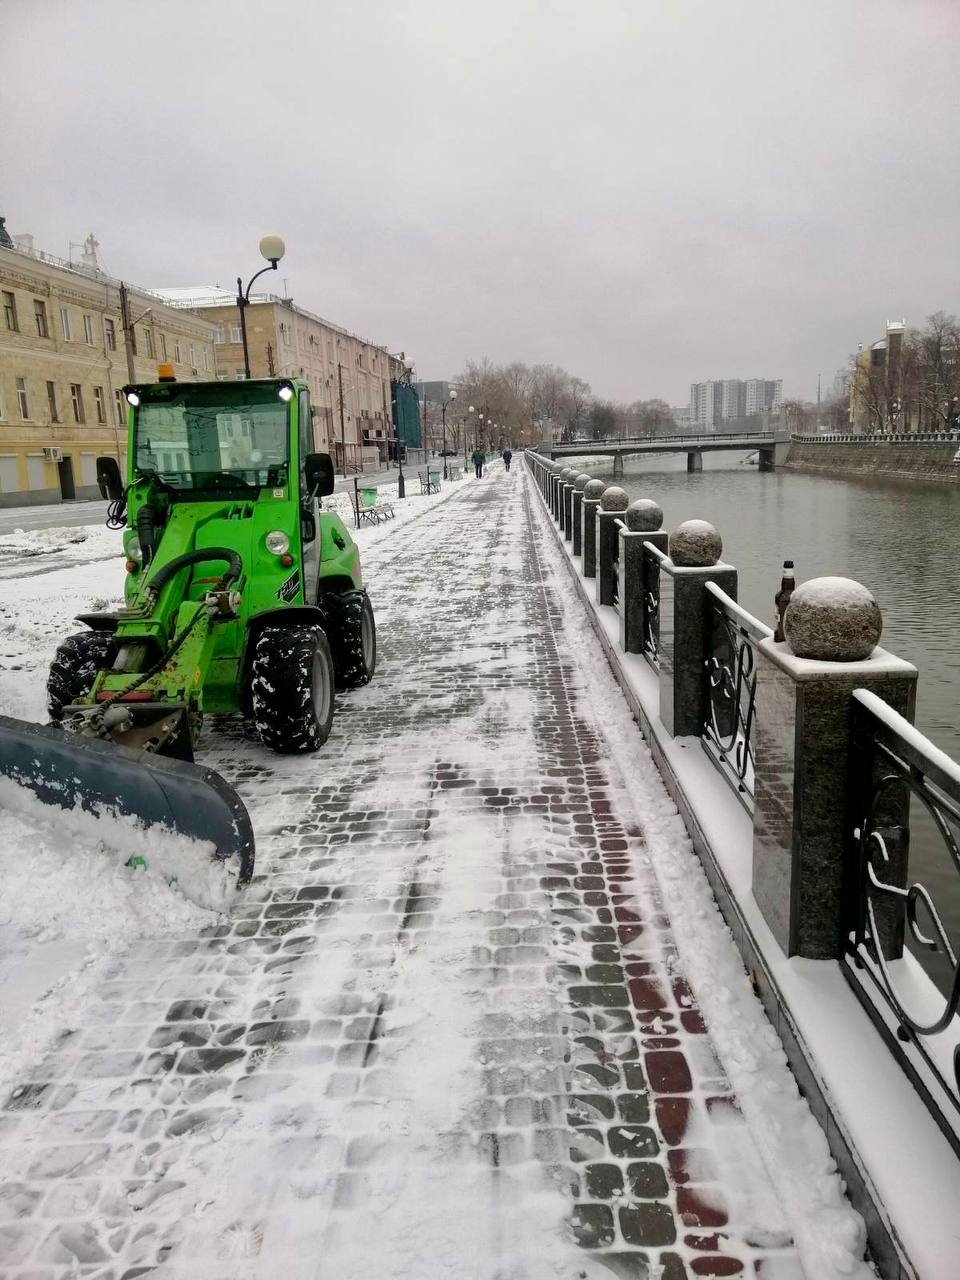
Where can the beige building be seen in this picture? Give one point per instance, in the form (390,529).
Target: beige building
(340,368)
(63,364)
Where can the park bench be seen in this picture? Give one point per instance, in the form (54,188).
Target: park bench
(366,508)
(429,481)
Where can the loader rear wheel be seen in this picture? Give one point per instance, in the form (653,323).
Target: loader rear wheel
(353,637)
(292,688)
(75,666)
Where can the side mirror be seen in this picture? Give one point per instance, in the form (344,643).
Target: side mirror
(108,478)
(318,468)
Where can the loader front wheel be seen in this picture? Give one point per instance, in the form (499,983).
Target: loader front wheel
(75,666)
(292,688)
(353,637)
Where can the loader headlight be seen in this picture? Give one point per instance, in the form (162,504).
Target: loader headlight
(285,393)
(278,543)
(133,398)
(133,548)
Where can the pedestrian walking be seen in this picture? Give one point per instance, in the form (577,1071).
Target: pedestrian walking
(478,459)
(507,456)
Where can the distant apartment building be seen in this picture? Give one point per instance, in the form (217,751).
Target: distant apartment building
(763,395)
(349,376)
(729,399)
(63,366)
(706,401)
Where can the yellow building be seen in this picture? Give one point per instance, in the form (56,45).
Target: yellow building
(342,370)
(63,364)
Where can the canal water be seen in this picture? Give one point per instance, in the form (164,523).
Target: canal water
(900,538)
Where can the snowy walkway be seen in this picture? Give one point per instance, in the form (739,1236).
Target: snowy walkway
(446,1032)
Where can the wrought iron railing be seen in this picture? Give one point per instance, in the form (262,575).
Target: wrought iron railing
(615,571)
(892,763)
(652,558)
(731,675)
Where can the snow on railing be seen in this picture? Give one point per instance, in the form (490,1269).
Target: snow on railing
(878,437)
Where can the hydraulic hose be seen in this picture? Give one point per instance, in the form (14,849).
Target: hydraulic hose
(166,571)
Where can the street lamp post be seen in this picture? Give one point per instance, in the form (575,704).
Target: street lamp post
(443,416)
(272,248)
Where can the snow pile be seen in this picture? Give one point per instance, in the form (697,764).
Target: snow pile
(69,899)
(37,610)
(77,545)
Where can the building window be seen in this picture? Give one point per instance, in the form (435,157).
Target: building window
(36,471)
(98,403)
(22,399)
(88,329)
(148,343)
(52,401)
(235,333)
(218,333)
(65,324)
(121,408)
(76,396)
(10,311)
(176,351)
(193,357)
(110,333)
(163,346)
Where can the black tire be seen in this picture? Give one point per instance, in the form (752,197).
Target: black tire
(352,630)
(75,666)
(291,688)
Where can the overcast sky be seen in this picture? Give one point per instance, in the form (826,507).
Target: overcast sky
(648,193)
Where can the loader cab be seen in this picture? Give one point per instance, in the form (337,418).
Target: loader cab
(203,438)
(232,463)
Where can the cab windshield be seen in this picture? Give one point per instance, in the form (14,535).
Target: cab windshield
(205,437)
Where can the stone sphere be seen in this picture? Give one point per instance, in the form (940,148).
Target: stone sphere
(594,489)
(832,619)
(694,544)
(567,474)
(643,516)
(614,499)
(581,482)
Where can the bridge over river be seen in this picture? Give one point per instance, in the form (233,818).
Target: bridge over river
(772,447)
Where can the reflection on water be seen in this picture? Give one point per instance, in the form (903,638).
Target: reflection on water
(899,538)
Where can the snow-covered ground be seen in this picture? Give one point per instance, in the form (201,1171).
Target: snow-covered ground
(462,996)
(73,901)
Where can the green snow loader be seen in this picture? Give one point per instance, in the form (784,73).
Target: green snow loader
(243,596)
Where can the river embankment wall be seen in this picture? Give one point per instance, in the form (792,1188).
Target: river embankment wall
(910,458)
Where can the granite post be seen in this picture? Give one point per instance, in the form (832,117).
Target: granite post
(590,506)
(642,519)
(694,561)
(613,503)
(804,807)
(568,509)
(579,485)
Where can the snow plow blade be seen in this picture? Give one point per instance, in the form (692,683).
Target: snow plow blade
(64,769)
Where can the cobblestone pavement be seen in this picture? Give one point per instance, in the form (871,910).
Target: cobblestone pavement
(444,1034)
